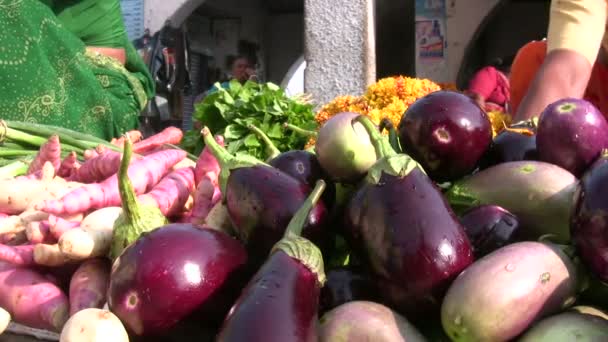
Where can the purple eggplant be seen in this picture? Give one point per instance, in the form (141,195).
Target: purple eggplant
(280,302)
(261,200)
(403,229)
(447,133)
(571,134)
(589,223)
(172,271)
(301,165)
(346,284)
(489,227)
(511,145)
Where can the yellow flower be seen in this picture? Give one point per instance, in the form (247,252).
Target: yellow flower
(499,121)
(390,98)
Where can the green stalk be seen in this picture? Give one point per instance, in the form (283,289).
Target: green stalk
(48,130)
(5,152)
(14,169)
(297,247)
(389,161)
(271,150)
(135,218)
(380,142)
(188,154)
(300,131)
(393,137)
(226,160)
(75,141)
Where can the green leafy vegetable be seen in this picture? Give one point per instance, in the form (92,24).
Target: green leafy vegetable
(229,111)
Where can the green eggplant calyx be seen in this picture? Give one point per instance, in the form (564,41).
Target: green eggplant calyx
(306,252)
(297,247)
(271,150)
(226,160)
(381,144)
(399,165)
(135,218)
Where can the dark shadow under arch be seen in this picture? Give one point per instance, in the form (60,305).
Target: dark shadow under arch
(505,29)
(469,52)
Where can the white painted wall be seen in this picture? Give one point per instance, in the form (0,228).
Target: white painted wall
(463,19)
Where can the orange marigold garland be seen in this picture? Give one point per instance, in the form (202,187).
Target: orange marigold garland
(390,97)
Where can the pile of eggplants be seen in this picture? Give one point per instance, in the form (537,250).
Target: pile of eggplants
(434,230)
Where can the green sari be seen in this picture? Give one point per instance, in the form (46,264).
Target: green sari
(47,76)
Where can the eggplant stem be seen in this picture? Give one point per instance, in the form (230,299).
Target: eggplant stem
(130,206)
(300,131)
(271,150)
(381,144)
(301,216)
(226,160)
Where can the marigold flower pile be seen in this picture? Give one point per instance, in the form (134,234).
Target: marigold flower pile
(390,97)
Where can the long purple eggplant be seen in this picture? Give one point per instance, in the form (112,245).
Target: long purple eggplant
(589,223)
(261,200)
(401,226)
(280,303)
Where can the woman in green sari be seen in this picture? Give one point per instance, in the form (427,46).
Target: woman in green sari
(70,63)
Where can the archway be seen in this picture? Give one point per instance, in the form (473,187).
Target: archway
(507,27)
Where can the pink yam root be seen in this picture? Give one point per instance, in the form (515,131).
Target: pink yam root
(58,226)
(49,151)
(89,285)
(69,166)
(17,255)
(206,162)
(172,192)
(31,298)
(169,135)
(144,174)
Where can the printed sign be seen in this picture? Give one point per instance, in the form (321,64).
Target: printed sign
(133,15)
(431,45)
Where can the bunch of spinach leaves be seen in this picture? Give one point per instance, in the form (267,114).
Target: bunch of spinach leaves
(228,112)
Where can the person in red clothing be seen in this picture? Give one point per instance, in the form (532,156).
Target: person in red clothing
(490,88)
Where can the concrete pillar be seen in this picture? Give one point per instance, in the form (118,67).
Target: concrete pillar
(339,48)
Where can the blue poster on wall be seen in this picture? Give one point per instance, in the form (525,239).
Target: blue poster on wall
(431,40)
(430,8)
(133,14)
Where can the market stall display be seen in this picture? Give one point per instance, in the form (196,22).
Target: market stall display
(432,225)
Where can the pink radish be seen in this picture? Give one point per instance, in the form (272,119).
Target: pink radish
(144,174)
(171,193)
(49,151)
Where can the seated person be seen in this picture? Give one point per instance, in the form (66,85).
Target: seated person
(71,64)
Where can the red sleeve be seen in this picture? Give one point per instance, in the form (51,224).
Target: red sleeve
(484,82)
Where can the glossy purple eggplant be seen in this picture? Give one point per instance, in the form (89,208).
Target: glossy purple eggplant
(172,271)
(304,166)
(447,133)
(489,227)
(261,200)
(402,227)
(589,223)
(280,302)
(571,133)
(346,284)
(511,145)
